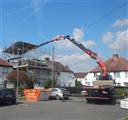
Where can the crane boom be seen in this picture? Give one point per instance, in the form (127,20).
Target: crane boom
(91,54)
(86,50)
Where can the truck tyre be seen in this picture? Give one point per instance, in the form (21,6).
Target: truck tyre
(88,100)
(113,101)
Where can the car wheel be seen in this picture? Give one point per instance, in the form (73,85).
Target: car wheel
(57,97)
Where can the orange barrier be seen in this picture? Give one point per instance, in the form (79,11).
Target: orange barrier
(32,95)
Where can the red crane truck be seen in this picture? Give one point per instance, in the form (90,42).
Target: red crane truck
(103,88)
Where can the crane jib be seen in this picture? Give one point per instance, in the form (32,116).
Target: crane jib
(45,43)
(83,48)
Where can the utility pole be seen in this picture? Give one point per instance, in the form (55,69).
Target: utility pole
(53,67)
(17,81)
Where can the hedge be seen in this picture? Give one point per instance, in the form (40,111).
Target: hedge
(120,92)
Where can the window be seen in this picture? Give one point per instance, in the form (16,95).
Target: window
(54,90)
(117,74)
(95,74)
(126,74)
(88,83)
(69,84)
(125,83)
(118,84)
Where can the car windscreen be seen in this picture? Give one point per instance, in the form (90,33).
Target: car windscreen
(63,89)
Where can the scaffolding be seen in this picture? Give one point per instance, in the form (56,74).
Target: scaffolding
(26,56)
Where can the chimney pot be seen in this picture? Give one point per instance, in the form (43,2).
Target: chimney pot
(115,56)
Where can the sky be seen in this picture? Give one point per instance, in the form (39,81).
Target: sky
(100,25)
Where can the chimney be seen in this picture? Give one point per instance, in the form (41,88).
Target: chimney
(47,59)
(115,56)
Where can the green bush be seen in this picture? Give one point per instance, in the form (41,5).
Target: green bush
(121,92)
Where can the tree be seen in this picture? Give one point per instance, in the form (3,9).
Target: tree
(49,84)
(78,86)
(24,80)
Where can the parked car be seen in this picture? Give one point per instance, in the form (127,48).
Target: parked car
(7,95)
(59,93)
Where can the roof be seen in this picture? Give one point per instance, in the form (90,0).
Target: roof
(59,67)
(47,64)
(19,48)
(4,63)
(80,74)
(114,64)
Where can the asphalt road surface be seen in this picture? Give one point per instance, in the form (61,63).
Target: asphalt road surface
(74,109)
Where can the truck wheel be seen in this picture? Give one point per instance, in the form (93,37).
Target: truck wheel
(88,101)
(113,101)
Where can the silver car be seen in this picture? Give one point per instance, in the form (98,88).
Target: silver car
(59,93)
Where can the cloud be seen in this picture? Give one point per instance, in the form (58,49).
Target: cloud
(73,57)
(78,34)
(118,40)
(121,41)
(76,62)
(37,4)
(1,50)
(89,43)
(120,23)
(108,37)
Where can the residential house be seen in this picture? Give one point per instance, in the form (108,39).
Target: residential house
(62,74)
(5,69)
(44,71)
(41,70)
(117,67)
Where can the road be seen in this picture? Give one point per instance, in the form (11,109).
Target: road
(74,109)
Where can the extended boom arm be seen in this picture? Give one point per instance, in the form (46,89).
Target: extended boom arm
(86,50)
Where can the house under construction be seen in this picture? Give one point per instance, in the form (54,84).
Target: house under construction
(41,70)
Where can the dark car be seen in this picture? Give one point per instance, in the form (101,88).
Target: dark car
(7,95)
